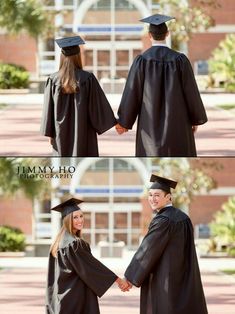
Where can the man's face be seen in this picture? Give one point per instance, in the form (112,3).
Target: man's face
(158,199)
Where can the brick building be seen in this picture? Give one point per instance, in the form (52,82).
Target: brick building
(114,37)
(17,212)
(202,44)
(115,199)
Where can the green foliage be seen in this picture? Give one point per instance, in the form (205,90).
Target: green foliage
(231,251)
(3,106)
(223,225)
(10,182)
(13,76)
(227,106)
(191,179)
(19,15)
(221,64)
(228,271)
(188,19)
(11,239)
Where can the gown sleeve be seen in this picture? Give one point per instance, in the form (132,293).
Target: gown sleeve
(47,123)
(100,112)
(91,271)
(196,110)
(131,101)
(149,251)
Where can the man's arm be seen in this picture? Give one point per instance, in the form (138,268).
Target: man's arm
(131,101)
(196,110)
(149,252)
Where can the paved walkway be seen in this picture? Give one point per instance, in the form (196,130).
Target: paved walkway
(22,287)
(20,123)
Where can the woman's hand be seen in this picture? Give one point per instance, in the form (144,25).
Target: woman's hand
(120,130)
(123,284)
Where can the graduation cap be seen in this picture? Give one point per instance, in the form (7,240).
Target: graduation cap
(157,23)
(157,19)
(68,206)
(162,183)
(70,45)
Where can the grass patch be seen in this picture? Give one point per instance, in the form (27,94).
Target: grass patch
(227,106)
(228,271)
(2,106)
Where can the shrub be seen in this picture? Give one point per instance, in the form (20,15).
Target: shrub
(223,225)
(11,239)
(221,64)
(13,76)
(231,251)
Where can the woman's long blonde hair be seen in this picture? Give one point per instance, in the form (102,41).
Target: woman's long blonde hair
(67,226)
(68,66)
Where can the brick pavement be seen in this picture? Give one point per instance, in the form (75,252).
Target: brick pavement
(22,290)
(19,132)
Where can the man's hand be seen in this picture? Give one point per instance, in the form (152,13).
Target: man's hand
(120,130)
(50,140)
(194,128)
(123,284)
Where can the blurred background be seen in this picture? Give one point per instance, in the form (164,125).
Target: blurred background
(115,195)
(204,30)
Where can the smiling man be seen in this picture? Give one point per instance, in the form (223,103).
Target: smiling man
(165,266)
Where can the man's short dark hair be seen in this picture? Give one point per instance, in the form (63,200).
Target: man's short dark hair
(158,32)
(165,192)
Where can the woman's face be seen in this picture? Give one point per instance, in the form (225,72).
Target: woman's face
(78,220)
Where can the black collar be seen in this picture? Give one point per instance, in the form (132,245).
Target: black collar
(163,209)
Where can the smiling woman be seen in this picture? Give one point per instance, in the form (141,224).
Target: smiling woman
(78,221)
(73,270)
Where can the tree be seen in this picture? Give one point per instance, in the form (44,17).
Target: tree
(189,19)
(223,225)
(10,182)
(191,181)
(24,15)
(191,178)
(221,64)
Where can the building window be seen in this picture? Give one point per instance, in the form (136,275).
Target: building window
(119,5)
(103,57)
(87,220)
(101,221)
(101,237)
(120,220)
(89,57)
(120,237)
(201,67)
(135,219)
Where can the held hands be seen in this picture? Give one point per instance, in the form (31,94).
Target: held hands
(120,129)
(123,284)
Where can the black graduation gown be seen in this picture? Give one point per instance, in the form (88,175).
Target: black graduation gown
(73,120)
(75,279)
(162,92)
(166,267)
